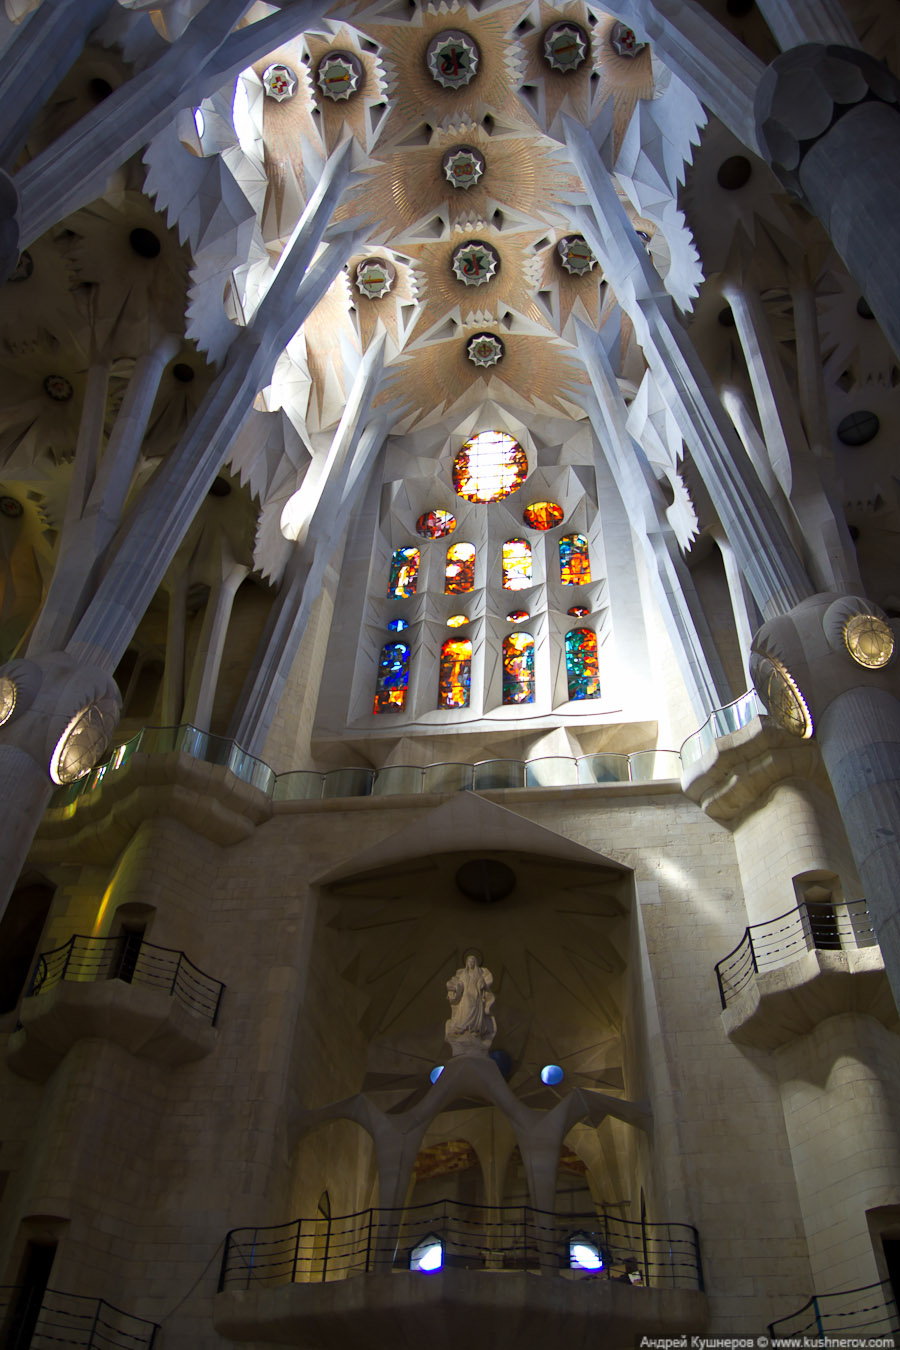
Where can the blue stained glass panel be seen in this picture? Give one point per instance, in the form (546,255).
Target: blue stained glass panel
(393,678)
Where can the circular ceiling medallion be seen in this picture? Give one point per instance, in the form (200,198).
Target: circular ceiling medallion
(543,515)
(575,255)
(475,263)
(339,75)
(58,388)
(566,46)
(7,699)
(10,508)
(452,58)
(463,166)
(622,39)
(279,82)
(457,620)
(436,524)
(374,278)
(858,428)
(485,350)
(84,741)
(23,268)
(781,694)
(869,640)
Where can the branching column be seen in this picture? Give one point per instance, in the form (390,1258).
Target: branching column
(766,555)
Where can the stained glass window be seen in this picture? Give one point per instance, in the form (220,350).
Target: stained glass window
(489,467)
(459,574)
(516,565)
(578,611)
(517,616)
(455,673)
(393,678)
(404,571)
(543,515)
(574,560)
(582,666)
(457,620)
(398,625)
(518,668)
(435,524)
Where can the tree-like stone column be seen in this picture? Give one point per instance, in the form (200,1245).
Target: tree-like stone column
(829,668)
(828,122)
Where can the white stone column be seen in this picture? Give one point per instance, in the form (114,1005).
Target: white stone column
(176,625)
(328,506)
(76,167)
(41,53)
(208,658)
(171,499)
(774,572)
(829,124)
(794,22)
(97,495)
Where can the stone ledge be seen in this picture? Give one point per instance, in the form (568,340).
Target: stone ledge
(740,769)
(147,1022)
(777,1005)
(442,1310)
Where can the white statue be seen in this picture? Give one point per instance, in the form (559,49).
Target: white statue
(470,1028)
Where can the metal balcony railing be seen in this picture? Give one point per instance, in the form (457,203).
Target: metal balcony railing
(472,1237)
(865,1314)
(46,1320)
(812,925)
(86,959)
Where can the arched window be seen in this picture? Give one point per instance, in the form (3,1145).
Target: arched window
(459,574)
(582,665)
(404,571)
(574,560)
(518,668)
(393,678)
(516,565)
(455,673)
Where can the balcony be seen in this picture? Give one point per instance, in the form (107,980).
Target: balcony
(345,1281)
(44,1321)
(863,1315)
(790,973)
(150,1000)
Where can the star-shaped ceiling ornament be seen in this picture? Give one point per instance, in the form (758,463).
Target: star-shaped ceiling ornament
(279,82)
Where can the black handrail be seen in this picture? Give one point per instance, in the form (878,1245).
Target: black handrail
(474,1237)
(73,1319)
(86,959)
(814,924)
(869,1311)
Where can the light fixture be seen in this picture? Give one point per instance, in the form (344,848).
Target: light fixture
(428,1255)
(869,640)
(583,1253)
(551,1074)
(7,699)
(83,741)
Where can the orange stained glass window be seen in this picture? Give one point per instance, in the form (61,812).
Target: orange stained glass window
(489,467)
(404,572)
(516,565)
(435,524)
(574,560)
(543,515)
(518,668)
(457,620)
(459,574)
(455,673)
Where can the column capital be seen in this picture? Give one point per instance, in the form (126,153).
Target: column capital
(827,645)
(805,91)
